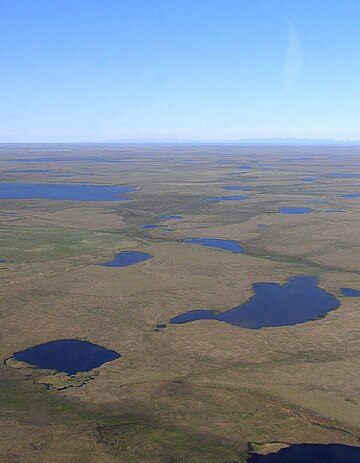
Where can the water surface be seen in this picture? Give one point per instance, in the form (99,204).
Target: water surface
(310,179)
(67,355)
(297,301)
(351,195)
(234,188)
(228,245)
(311,453)
(341,175)
(228,198)
(295,210)
(123,259)
(170,217)
(350,292)
(64,191)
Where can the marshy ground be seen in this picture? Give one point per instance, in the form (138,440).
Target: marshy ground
(198,392)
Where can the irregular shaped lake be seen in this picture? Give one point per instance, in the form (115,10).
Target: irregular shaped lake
(67,355)
(64,191)
(234,188)
(311,453)
(351,195)
(123,259)
(310,179)
(297,301)
(228,245)
(155,225)
(340,175)
(228,198)
(349,292)
(295,210)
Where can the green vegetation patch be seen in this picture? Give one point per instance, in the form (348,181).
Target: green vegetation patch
(33,244)
(146,443)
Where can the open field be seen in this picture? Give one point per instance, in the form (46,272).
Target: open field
(197,392)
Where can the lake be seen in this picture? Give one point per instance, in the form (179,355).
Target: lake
(64,191)
(295,210)
(234,188)
(165,217)
(67,355)
(227,245)
(228,198)
(310,179)
(349,292)
(297,301)
(351,195)
(311,453)
(126,258)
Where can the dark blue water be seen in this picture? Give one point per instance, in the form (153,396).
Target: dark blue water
(228,245)
(3,260)
(311,453)
(349,292)
(228,198)
(123,259)
(234,188)
(67,355)
(297,301)
(351,195)
(245,167)
(340,175)
(64,191)
(153,225)
(170,217)
(295,210)
(161,326)
(310,179)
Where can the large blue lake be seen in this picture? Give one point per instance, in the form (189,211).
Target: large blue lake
(67,355)
(228,245)
(64,191)
(126,258)
(297,301)
(311,453)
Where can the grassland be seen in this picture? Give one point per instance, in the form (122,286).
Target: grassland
(191,393)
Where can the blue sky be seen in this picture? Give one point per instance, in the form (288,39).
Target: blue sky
(95,70)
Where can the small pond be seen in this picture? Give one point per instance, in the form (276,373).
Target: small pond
(235,188)
(126,258)
(228,198)
(67,355)
(351,195)
(341,175)
(311,453)
(295,210)
(228,245)
(297,301)
(64,191)
(310,179)
(165,217)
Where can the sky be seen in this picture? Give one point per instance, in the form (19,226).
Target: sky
(112,70)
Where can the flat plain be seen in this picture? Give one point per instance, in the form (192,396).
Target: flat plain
(204,391)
